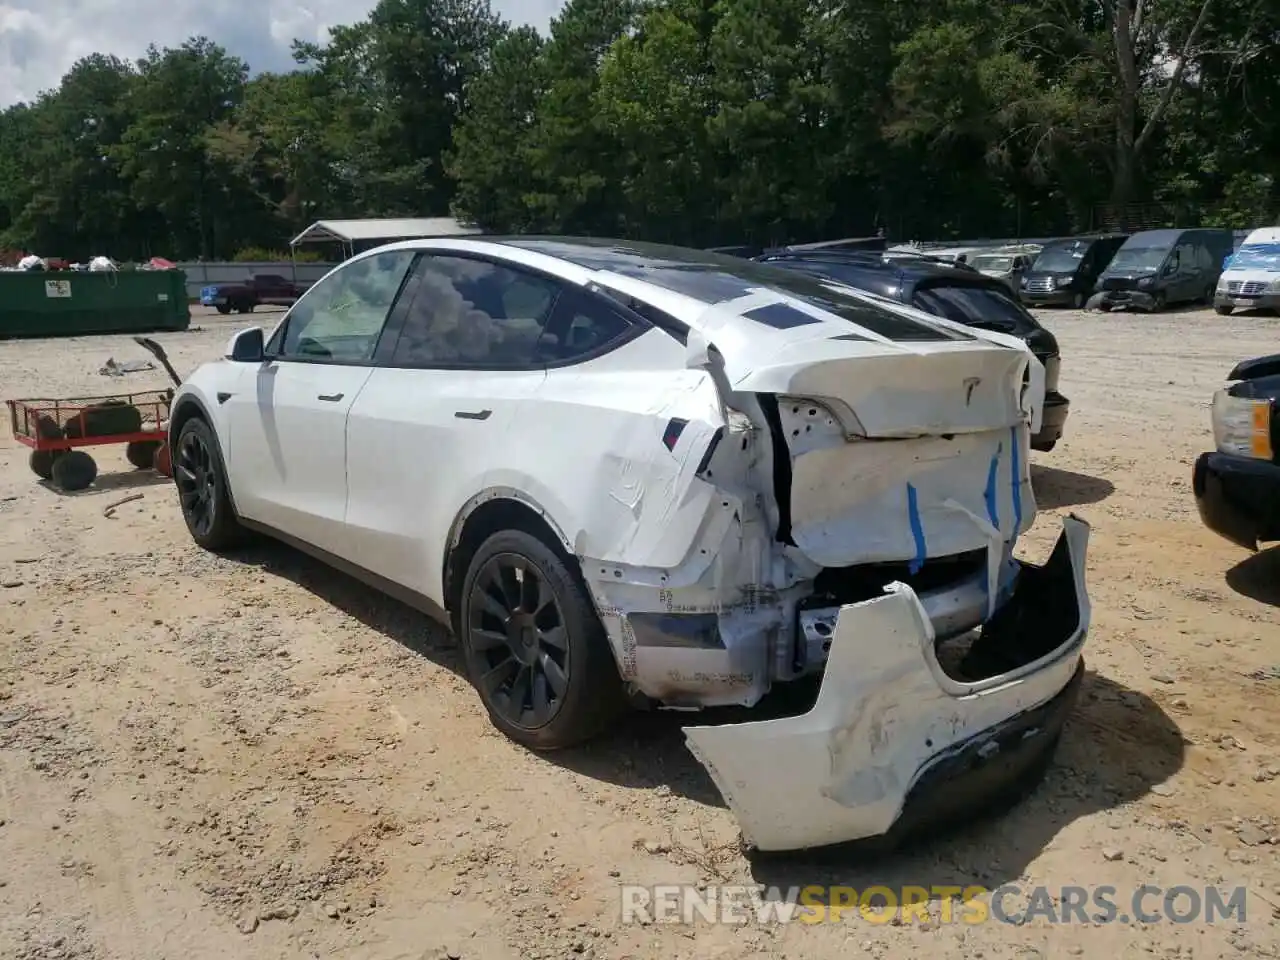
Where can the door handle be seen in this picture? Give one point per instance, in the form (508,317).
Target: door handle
(330,397)
(473,414)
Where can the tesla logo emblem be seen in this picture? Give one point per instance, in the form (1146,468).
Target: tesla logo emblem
(969,385)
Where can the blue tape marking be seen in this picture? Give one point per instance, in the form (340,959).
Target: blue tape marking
(917,530)
(1017,482)
(993,513)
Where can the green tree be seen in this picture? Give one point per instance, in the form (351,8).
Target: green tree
(574,152)
(179,96)
(399,82)
(490,163)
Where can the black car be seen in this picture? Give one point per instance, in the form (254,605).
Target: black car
(956,293)
(1158,268)
(1065,272)
(1237,486)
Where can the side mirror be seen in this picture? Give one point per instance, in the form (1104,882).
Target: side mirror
(247,346)
(1170,268)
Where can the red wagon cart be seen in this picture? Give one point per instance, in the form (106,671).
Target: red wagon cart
(56,430)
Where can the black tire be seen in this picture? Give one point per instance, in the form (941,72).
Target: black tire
(1209,292)
(1160,300)
(223,308)
(1079,300)
(42,461)
(556,634)
(203,494)
(1223,311)
(142,453)
(74,470)
(244,308)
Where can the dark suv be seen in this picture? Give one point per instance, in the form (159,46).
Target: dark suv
(960,294)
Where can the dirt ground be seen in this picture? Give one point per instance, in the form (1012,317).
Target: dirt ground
(257,757)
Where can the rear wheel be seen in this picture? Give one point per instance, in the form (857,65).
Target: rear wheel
(203,493)
(74,470)
(223,308)
(142,453)
(534,648)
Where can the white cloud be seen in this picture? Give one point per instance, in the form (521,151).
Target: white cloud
(40,41)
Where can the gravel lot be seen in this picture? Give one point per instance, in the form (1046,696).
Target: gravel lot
(257,757)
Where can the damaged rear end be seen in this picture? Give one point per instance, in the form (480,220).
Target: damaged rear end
(893,481)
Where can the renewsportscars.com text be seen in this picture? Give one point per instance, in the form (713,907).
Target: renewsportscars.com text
(1011,904)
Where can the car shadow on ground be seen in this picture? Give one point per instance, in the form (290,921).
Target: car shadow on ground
(1116,746)
(412,629)
(1055,488)
(104,483)
(1258,577)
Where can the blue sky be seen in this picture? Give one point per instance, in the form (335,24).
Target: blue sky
(40,40)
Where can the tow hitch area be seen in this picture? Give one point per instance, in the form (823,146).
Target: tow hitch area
(894,741)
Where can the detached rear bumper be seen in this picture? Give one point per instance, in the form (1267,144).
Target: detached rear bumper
(894,743)
(1238,497)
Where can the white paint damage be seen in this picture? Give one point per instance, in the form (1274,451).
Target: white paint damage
(933,463)
(843,770)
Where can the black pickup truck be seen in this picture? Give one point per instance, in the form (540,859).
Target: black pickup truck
(261,288)
(1237,485)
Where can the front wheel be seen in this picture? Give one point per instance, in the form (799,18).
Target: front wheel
(203,493)
(74,470)
(1079,300)
(223,308)
(1160,300)
(1223,311)
(534,648)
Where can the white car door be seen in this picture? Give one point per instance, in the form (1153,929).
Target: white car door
(448,418)
(287,419)
(433,420)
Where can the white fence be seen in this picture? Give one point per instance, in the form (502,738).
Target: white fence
(203,273)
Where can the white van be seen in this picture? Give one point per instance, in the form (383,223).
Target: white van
(1251,276)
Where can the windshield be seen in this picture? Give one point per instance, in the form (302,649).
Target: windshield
(975,307)
(1138,258)
(994,264)
(1257,256)
(1061,259)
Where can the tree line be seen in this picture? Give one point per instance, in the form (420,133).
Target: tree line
(701,122)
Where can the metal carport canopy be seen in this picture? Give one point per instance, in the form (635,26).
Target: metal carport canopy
(357,231)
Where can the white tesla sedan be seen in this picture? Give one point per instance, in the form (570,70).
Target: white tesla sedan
(634,473)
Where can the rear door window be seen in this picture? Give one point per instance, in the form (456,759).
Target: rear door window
(983,307)
(473,313)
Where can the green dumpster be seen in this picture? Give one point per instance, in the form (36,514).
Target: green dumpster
(74,304)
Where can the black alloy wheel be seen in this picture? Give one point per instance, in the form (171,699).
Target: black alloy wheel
(202,488)
(516,630)
(535,649)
